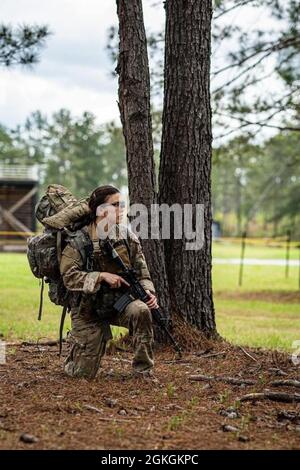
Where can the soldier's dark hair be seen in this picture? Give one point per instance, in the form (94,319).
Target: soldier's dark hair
(98,197)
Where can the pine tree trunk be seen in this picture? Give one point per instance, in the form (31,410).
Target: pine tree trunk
(185,166)
(134,105)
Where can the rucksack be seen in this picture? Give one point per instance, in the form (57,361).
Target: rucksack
(63,217)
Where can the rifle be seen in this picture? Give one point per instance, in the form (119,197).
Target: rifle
(138,292)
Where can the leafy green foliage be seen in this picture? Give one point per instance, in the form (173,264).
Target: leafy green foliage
(75,152)
(257,187)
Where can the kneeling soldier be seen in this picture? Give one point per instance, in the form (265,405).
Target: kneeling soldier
(100,289)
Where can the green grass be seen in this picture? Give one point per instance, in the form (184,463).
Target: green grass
(226,249)
(260,324)
(255,278)
(242,321)
(255,322)
(19,303)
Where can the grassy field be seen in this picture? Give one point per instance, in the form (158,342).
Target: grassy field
(226,249)
(263,312)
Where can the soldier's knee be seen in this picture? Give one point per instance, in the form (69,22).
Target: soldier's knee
(137,307)
(143,312)
(144,321)
(86,351)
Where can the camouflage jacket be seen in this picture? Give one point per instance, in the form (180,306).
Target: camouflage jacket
(77,279)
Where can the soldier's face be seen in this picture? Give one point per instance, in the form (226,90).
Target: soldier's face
(113,209)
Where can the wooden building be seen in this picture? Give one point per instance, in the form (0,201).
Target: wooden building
(18,197)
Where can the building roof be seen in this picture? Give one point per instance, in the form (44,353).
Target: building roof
(19,173)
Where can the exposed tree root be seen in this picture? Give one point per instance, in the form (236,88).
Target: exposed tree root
(274,396)
(227,380)
(286,383)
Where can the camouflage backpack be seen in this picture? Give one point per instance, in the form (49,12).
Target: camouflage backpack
(62,216)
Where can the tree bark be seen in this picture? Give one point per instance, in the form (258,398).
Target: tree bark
(185,164)
(134,105)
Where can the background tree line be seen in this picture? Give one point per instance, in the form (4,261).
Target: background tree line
(254,184)
(75,152)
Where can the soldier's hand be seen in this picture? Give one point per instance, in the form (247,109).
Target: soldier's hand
(152,302)
(113,280)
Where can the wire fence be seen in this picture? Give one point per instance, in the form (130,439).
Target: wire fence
(284,242)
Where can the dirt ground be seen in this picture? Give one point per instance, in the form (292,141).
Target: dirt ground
(289,297)
(167,411)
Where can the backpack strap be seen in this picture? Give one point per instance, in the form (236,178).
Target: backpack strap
(82,242)
(123,241)
(84,245)
(89,255)
(41,300)
(61,326)
(58,245)
(59,251)
(128,248)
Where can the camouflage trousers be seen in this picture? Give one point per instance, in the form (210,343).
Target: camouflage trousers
(90,333)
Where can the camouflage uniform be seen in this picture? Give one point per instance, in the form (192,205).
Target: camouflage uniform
(91,319)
